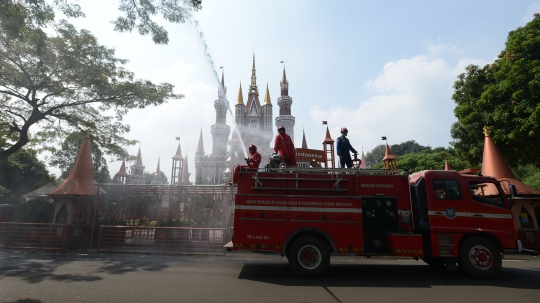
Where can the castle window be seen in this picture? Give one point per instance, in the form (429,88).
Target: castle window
(254,124)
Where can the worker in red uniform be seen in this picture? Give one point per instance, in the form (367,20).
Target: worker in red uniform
(284,145)
(253,162)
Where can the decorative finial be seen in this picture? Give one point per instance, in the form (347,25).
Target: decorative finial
(486,131)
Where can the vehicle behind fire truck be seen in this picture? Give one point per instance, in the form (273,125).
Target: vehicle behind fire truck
(438,216)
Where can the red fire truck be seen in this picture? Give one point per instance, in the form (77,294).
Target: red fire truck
(442,217)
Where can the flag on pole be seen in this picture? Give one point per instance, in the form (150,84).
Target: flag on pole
(177,138)
(325,122)
(384,138)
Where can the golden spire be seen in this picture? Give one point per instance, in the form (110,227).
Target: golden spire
(486,131)
(240,99)
(267,97)
(253,87)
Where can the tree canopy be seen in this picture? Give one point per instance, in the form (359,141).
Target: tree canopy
(23,172)
(505,96)
(136,14)
(65,81)
(376,155)
(63,158)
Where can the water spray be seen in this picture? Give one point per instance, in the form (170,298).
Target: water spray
(210,61)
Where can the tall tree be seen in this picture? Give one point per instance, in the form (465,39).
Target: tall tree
(61,82)
(505,96)
(64,157)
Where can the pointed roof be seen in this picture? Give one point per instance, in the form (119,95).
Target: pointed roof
(185,172)
(447,165)
(363,159)
(157,170)
(200,146)
(388,154)
(328,139)
(240,99)
(178,155)
(284,84)
(223,81)
(253,87)
(138,160)
(267,100)
(122,172)
(304,142)
(284,80)
(80,180)
(493,164)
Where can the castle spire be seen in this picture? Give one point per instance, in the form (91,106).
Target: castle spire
(253,87)
(267,100)
(240,99)
(304,142)
(200,146)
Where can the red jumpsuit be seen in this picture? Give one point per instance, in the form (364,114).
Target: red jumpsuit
(254,164)
(285,146)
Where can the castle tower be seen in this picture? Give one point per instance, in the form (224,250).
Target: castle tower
(328,147)
(177,166)
(185,172)
(137,170)
(253,120)
(240,109)
(304,142)
(363,159)
(199,158)
(157,176)
(122,175)
(220,131)
(389,160)
(285,118)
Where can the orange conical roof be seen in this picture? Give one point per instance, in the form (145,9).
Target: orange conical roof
(80,180)
(493,164)
(328,139)
(363,159)
(178,155)
(388,154)
(447,165)
(122,172)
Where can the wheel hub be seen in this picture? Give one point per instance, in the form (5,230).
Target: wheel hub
(481,257)
(309,257)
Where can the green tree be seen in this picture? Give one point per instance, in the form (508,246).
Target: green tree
(63,158)
(149,177)
(136,14)
(504,96)
(64,82)
(23,172)
(376,155)
(430,159)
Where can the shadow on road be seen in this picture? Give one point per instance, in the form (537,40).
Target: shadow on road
(36,266)
(387,275)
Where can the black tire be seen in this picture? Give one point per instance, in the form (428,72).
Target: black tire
(480,258)
(309,257)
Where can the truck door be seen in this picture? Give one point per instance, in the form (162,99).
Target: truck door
(489,212)
(448,210)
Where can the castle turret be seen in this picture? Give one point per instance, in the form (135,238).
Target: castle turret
(285,118)
(220,131)
(137,170)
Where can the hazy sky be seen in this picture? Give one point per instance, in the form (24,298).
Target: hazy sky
(380,68)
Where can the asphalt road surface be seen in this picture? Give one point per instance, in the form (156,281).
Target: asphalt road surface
(86,276)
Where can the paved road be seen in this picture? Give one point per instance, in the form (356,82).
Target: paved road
(85,276)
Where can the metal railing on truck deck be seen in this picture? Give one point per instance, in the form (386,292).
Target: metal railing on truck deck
(162,240)
(33,235)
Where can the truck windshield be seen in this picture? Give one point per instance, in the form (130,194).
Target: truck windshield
(487,193)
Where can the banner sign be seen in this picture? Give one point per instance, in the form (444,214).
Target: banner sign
(307,155)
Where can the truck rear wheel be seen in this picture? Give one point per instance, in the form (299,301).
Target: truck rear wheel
(309,257)
(480,258)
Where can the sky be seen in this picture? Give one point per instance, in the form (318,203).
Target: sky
(379,68)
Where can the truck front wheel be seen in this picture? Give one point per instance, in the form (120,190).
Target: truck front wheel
(309,257)
(480,258)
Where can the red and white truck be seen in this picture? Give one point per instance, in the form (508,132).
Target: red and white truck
(442,217)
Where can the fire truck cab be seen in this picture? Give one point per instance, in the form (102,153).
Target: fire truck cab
(307,215)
